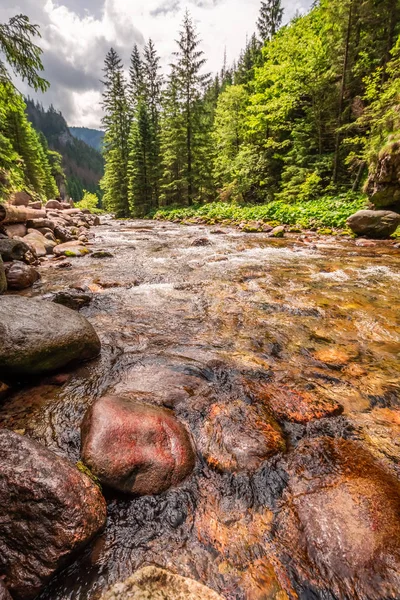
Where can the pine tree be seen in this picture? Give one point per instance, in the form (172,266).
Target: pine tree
(270,19)
(144,144)
(190,84)
(117,125)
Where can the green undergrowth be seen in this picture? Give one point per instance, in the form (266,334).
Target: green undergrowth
(322,213)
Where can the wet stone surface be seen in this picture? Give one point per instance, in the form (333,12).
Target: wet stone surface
(288,349)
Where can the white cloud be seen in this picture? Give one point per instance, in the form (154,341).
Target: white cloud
(77,35)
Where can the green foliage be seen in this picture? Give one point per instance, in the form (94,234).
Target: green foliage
(324,212)
(89,202)
(270,20)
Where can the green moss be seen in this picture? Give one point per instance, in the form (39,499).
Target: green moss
(86,471)
(69,254)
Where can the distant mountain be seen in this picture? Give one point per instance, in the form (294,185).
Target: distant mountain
(91,137)
(82,164)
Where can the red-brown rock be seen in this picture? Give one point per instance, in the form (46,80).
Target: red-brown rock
(48,511)
(340,527)
(291,405)
(20,199)
(4,594)
(236,437)
(20,276)
(134,447)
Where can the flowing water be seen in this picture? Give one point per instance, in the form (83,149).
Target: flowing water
(192,318)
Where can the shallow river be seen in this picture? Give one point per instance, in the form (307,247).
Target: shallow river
(219,322)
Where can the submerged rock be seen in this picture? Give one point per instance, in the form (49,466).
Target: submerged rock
(339,529)
(237,437)
(135,448)
(375,224)
(40,337)
(48,510)
(157,584)
(21,276)
(73,299)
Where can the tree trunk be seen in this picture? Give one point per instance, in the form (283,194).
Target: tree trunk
(19,214)
(342,92)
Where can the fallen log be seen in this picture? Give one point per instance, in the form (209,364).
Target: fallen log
(19,214)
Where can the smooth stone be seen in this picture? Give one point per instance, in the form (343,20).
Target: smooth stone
(21,276)
(71,249)
(40,337)
(54,205)
(134,447)
(13,249)
(338,523)
(20,199)
(238,438)
(36,243)
(375,224)
(17,230)
(153,583)
(49,510)
(73,299)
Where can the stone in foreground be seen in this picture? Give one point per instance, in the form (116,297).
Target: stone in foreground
(135,448)
(157,584)
(48,511)
(39,337)
(339,526)
(375,224)
(21,276)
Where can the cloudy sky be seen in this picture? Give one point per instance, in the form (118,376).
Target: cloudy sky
(76,35)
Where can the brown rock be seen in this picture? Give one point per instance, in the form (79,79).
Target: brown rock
(291,405)
(41,337)
(48,510)
(134,447)
(36,242)
(20,199)
(4,594)
(375,224)
(237,437)
(340,528)
(40,224)
(3,279)
(73,248)
(157,584)
(36,205)
(13,249)
(17,230)
(21,276)
(54,204)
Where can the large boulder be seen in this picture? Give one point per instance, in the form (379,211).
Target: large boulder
(13,249)
(39,337)
(135,448)
(3,280)
(48,511)
(36,236)
(383,186)
(338,525)
(36,243)
(20,276)
(375,224)
(157,584)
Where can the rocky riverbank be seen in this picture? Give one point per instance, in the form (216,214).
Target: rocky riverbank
(32,234)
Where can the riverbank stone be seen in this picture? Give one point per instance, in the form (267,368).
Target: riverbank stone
(40,337)
(3,280)
(20,276)
(49,510)
(158,584)
(135,448)
(375,224)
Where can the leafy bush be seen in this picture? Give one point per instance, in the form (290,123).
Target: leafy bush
(89,202)
(324,212)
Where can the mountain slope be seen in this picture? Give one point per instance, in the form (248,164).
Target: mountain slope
(83,165)
(91,137)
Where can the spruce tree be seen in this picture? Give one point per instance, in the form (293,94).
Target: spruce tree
(117,125)
(270,19)
(190,84)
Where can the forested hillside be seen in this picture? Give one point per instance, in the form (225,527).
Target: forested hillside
(25,160)
(91,137)
(82,164)
(302,115)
